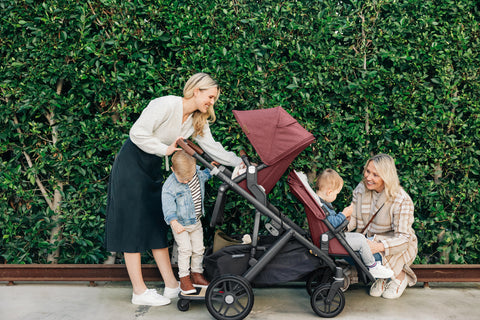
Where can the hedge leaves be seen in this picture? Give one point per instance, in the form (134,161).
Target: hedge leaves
(394,76)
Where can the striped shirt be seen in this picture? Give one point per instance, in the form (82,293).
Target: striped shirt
(194,185)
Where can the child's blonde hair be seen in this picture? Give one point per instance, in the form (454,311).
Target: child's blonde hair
(201,81)
(183,164)
(329,178)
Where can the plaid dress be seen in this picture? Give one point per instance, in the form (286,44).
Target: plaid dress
(392,226)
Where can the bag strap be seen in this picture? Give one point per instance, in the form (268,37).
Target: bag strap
(371,219)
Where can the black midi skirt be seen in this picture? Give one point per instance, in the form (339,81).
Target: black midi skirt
(135,220)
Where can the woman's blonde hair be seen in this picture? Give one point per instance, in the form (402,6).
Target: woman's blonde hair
(329,178)
(202,81)
(183,164)
(387,171)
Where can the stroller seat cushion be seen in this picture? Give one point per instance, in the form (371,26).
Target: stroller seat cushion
(304,179)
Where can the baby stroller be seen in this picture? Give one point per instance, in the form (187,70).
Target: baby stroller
(277,138)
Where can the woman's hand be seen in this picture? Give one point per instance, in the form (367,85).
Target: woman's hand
(173,147)
(176,226)
(375,246)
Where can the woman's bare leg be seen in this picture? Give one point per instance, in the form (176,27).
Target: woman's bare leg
(133,263)
(162,258)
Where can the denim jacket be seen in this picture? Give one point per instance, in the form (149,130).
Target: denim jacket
(177,202)
(333,217)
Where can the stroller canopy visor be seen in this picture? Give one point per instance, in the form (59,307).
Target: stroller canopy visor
(274,133)
(277,138)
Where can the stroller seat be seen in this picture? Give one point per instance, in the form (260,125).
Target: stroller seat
(323,234)
(316,217)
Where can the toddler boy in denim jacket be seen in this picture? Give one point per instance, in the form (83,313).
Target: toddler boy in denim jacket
(182,203)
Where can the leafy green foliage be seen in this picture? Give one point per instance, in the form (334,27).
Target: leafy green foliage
(399,77)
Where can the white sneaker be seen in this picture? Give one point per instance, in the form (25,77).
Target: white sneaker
(395,289)
(150,298)
(378,287)
(380,271)
(171,293)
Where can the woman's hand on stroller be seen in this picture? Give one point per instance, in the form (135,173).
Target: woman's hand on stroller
(238,170)
(174,146)
(176,226)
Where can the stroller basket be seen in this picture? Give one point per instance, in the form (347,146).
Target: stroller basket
(292,263)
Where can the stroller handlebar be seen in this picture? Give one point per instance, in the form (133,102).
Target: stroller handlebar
(197,149)
(244,157)
(185,146)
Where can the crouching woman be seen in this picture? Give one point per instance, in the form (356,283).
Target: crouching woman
(383,211)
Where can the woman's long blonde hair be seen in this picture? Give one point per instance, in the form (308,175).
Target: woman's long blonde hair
(386,169)
(201,81)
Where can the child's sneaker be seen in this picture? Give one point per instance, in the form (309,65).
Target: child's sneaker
(186,285)
(150,298)
(380,272)
(199,280)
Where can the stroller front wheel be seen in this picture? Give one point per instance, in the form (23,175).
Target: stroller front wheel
(229,297)
(324,307)
(323,276)
(183,305)
(317,278)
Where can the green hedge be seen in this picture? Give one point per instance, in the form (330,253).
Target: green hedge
(399,77)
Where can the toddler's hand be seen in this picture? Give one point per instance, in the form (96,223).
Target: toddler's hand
(176,226)
(347,212)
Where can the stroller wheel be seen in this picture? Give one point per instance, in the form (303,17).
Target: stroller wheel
(229,297)
(317,278)
(183,304)
(322,276)
(323,306)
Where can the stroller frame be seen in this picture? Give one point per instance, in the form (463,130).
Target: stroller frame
(326,301)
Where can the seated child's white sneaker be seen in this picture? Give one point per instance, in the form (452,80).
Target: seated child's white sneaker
(171,293)
(150,298)
(378,287)
(395,289)
(380,272)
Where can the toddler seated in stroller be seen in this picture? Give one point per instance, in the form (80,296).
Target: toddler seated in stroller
(328,186)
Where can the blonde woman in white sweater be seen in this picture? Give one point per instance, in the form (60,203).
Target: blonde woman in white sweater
(135,220)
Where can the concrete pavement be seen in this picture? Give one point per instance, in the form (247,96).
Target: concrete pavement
(111,300)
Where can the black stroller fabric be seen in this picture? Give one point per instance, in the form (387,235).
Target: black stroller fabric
(292,263)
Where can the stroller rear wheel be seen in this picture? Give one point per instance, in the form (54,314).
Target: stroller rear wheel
(229,297)
(324,307)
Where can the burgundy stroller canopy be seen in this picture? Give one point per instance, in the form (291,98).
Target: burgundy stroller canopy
(277,137)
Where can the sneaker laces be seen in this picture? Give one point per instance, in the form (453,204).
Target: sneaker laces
(395,284)
(151,292)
